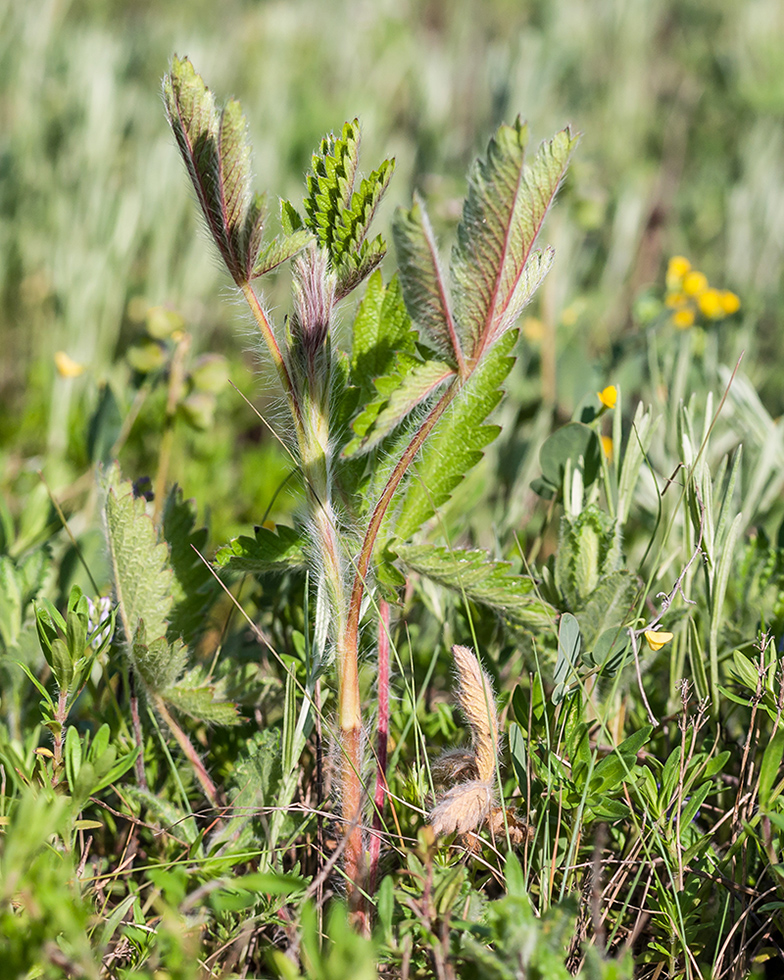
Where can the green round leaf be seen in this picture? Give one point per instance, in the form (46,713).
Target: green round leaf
(571,442)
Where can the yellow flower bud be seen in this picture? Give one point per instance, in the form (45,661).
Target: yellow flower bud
(657,638)
(607,447)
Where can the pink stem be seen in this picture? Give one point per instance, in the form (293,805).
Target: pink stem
(383,737)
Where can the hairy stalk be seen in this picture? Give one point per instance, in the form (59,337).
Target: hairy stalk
(210,790)
(310,370)
(382,741)
(272,346)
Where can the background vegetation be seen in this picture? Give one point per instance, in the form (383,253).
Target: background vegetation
(681,106)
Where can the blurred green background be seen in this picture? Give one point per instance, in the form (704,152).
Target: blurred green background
(681,103)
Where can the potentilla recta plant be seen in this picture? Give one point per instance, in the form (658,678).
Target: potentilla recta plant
(384,434)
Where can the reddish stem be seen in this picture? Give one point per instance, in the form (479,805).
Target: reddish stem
(383,738)
(363,562)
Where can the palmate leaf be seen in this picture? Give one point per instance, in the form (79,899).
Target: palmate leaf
(143,578)
(215,147)
(456,444)
(494,271)
(491,583)
(423,283)
(268,551)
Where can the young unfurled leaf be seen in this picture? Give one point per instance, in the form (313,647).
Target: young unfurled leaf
(588,551)
(494,272)
(216,150)
(492,583)
(268,551)
(423,282)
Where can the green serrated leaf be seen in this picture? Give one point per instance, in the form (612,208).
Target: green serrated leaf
(492,583)
(281,250)
(339,213)
(357,266)
(290,218)
(456,444)
(194,587)
(202,699)
(331,182)
(158,662)
(503,212)
(423,283)
(268,551)
(143,579)
(415,388)
(381,330)
(216,151)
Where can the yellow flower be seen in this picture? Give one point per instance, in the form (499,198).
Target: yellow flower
(683,319)
(608,396)
(695,283)
(66,366)
(710,304)
(677,268)
(730,302)
(657,638)
(607,446)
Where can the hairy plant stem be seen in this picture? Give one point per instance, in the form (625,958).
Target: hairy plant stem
(382,729)
(277,357)
(210,790)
